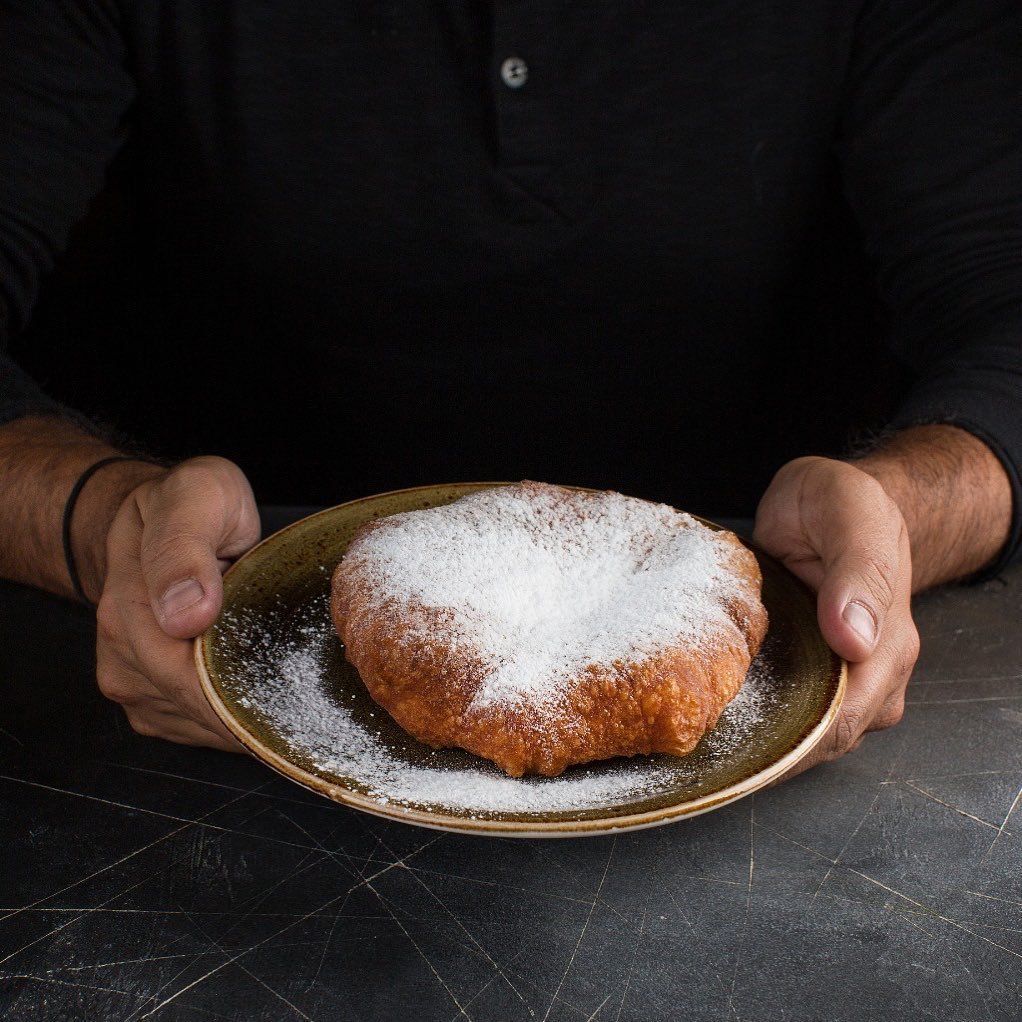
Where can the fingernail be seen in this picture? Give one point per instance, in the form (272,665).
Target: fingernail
(860,619)
(180,596)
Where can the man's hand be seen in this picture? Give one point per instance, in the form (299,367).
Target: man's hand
(846,529)
(834,526)
(168,545)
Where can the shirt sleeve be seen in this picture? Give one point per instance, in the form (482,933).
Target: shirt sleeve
(931,149)
(64,92)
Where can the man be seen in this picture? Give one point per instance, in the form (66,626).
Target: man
(665,250)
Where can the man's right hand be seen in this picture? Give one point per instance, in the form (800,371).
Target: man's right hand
(170,542)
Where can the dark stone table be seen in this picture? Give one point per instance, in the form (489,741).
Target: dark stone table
(140,879)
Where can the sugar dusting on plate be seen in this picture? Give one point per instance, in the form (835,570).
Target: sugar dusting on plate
(291,679)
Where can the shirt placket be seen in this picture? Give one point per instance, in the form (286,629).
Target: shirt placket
(533,107)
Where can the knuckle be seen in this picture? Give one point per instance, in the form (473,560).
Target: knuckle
(112,684)
(108,620)
(167,548)
(107,683)
(878,577)
(909,652)
(846,734)
(209,474)
(891,716)
(179,693)
(189,473)
(143,725)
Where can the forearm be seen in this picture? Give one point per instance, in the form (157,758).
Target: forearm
(40,460)
(953,494)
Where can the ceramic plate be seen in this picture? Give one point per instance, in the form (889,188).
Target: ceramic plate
(274,671)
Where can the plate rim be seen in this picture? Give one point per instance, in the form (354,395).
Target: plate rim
(484,825)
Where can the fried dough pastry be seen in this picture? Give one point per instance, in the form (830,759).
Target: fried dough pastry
(540,626)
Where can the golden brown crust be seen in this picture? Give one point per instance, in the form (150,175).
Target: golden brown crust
(427,681)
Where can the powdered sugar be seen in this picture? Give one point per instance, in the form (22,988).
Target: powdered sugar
(542,581)
(294,682)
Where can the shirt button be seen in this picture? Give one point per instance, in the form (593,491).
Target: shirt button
(514,72)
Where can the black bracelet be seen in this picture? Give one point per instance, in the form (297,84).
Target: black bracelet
(72,499)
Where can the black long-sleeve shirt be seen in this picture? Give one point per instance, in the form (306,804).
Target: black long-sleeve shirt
(665,248)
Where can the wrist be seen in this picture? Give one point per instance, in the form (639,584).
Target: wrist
(953,494)
(92,515)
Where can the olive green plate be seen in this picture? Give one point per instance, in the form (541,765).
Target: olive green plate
(274,671)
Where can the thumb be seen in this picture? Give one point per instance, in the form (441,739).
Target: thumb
(864,579)
(193,522)
(852,607)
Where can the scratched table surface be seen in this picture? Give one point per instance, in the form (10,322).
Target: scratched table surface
(143,880)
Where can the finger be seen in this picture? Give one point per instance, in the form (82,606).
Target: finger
(152,714)
(889,672)
(874,699)
(154,723)
(864,556)
(150,673)
(835,528)
(854,603)
(177,682)
(193,520)
(120,683)
(779,528)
